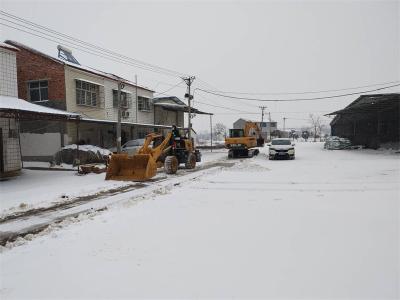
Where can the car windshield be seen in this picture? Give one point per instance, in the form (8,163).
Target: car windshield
(280,142)
(134,143)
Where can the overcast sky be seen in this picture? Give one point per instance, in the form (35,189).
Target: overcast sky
(241,46)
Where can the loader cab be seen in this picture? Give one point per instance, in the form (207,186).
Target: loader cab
(236,133)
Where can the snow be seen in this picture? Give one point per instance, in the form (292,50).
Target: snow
(13,103)
(325,225)
(89,148)
(42,188)
(7,46)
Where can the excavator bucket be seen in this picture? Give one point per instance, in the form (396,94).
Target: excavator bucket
(139,167)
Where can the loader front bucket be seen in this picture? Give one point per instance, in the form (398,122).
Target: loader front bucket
(139,167)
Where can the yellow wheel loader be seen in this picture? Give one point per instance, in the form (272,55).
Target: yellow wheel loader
(243,142)
(169,151)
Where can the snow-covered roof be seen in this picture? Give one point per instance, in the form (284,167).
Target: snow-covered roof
(80,67)
(14,104)
(163,99)
(179,107)
(9,47)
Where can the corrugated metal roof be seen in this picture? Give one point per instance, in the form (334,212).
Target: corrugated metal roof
(370,103)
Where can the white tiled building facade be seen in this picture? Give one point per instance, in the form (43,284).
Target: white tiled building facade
(8,73)
(10,154)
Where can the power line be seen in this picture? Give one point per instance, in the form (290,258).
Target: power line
(174,86)
(74,41)
(224,107)
(89,52)
(296,99)
(306,92)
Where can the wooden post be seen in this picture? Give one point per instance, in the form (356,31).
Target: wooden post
(19,140)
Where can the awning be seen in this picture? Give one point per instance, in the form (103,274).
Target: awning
(15,107)
(89,120)
(122,91)
(88,81)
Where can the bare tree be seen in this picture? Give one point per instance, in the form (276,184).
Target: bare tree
(219,131)
(316,124)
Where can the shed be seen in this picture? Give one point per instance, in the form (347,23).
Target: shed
(370,120)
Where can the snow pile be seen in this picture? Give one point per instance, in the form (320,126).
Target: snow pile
(337,143)
(87,154)
(89,148)
(246,166)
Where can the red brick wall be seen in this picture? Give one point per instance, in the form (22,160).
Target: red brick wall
(32,66)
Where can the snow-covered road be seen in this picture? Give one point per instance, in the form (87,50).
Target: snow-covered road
(325,225)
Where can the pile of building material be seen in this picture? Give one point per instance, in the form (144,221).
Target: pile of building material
(337,143)
(92,168)
(84,154)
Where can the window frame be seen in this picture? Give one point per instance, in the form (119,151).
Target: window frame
(39,89)
(126,99)
(142,100)
(91,89)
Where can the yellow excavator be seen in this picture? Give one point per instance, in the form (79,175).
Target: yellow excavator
(156,151)
(243,142)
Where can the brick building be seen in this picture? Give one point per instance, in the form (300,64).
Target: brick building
(59,84)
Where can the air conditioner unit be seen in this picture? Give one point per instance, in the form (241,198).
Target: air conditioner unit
(125,114)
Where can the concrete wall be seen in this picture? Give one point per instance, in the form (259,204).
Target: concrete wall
(167,117)
(95,112)
(8,73)
(40,146)
(112,112)
(146,117)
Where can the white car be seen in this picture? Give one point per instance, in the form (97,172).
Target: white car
(130,147)
(281,148)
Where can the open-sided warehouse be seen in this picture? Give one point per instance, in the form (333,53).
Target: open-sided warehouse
(371,120)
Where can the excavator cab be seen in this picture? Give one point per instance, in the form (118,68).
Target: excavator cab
(243,142)
(236,133)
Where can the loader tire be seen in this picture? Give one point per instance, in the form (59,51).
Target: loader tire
(171,164)
(190,161)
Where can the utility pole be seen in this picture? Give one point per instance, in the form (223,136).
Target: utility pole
(137,105)
(284,123)
(269,127)
(189,81)
(262,118)
(262,112)
(120,87)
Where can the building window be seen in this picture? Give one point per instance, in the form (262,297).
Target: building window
(125,97)
(86,93)
(143,103)
(38,90)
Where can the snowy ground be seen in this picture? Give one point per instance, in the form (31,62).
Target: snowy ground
(325,225)
(41,188)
